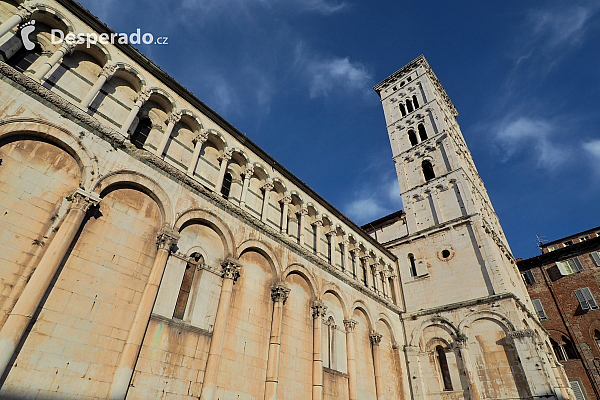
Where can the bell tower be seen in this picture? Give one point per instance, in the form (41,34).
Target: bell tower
(441,189)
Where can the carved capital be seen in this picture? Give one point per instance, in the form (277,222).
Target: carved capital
(109,70)
(226,156)
(318,309)
(82,200)
(26,10)
(287,199)
(268,186)
(279,292)
(350,324)
(201,137)
(248,172)
(167,238)
(303,210)
(174,117)
(143,96)
(332,232)
(318,223)
(68,46)
(521,334)
(375,338)
(231,270)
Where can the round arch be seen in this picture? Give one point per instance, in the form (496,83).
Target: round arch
(504,322)
(386,320)
(301,270)
(334,289)
(360,305)
(442,322)
(141,182)
(14,128)
(264,249)
(216,223)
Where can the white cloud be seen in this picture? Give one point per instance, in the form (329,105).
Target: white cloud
(562,26)
(365,210)
(324,7)
(378,196)
(592,148)
(518,134)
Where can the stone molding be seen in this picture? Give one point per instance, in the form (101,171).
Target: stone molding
(318,309)
(82,200)
(280,292)
(166,239)
(231,270)
(375,338)
(350,324)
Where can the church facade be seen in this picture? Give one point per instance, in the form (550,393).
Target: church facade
(150,250)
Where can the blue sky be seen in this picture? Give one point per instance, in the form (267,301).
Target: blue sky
(296,76)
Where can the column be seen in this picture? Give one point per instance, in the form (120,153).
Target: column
(331,235)
(375,338)
(248,172)
(374,276)
(468,367)
(172,119)
(64,49)
(354,260)
(198,142)
(23,13)
(346,263)
(350,324)
(301,221)
(142,98)
(318,313)
(285,203)
(524,342)
(225,157)
(231,272)
(19,318)
(166,239)
(318,224)
(279,294)
(365,265)
(107,73)
(267,187)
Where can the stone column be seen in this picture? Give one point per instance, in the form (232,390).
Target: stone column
(166,239)
(347,262)
(365,264)
(468,368)
(301,221)
(354,260)
(198,142)
(375,338)
(373,269)
(23,13)
(231,272)
(331,235)
(248,172)
(107,73)
(64,49)
(225,157)
(285,201)
(318,224)
(267,187)
(279,294)
(350,324)
(19,318)
(142,98)
(538,384)
(172,119)
(318,313)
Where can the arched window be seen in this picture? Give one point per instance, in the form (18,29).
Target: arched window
(23,58)
(558,351)
(428,170)
(422,132)
(186,285)
(568,348)
(415,102)
(413,265)
(403,109)
(443,365)
(226,188)
(412,136)
(142,130)
(409,106)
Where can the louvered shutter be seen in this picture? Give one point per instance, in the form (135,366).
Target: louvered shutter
(576,264)
(582,300)
(577,390)
(530,277)
(561,268)
(539,309)
(596,258)
(589,297)
(422,268)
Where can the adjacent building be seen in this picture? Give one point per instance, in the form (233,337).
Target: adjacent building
(563,283)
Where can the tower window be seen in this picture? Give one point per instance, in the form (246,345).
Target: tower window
(443,364)
(422,132)
(415,102)
(413,265)
(428,170)
(142,130)
(412,136)
(402,109)
(226,188)
(186,285)
(409,106)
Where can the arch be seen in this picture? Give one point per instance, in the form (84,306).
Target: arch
(236,150)
(301,270)
(145,184)
(504,322)
(412,137)
(127,72)
(428,171)
(43,8)
(95,50)
(13,128)
(216,223)
(194,117)
(262,168)
(437,320)
(422,132)
(415,101)
(362,306)
(334,289)
(265,250)
(161,92)
(386,320)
